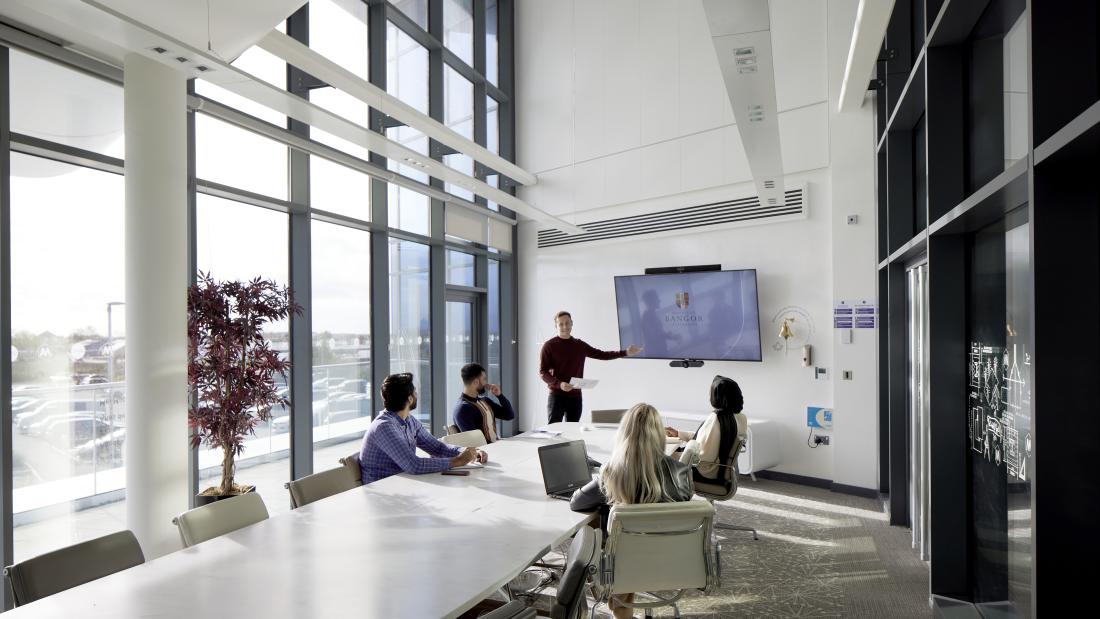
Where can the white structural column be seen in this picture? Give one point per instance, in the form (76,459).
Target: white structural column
(156,302)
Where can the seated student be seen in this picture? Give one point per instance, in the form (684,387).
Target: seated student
(638,471)
(717,434)
(389,445)
(474,411)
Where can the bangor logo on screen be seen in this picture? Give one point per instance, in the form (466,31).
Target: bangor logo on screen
(682,300)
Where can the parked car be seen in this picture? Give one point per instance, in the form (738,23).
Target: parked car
(38,428)
(105,449)
(20,404)
(70,433)
(51,407)
(281,424)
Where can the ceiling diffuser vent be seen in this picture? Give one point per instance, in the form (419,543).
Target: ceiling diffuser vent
(701,217)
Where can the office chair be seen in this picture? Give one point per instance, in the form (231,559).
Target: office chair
(610,415)
(570,601)
(469,438)
(220,517)
(717,492)
(320,485)
(512,610)
(351,465)
(658,547)
(74,565)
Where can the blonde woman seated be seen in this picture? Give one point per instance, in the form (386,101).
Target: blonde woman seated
(638,471)
(718,433)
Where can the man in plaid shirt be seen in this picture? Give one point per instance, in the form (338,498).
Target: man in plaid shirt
(389,446)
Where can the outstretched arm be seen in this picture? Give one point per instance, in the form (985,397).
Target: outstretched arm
(595,353)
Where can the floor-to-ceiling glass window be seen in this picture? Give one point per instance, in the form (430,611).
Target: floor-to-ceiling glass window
(67,317)
(410,318)
(342,392)
(69,339)
(226,254)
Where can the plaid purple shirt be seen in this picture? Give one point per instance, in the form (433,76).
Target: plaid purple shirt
(389,448)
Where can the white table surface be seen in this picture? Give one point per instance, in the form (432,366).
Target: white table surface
(406,546)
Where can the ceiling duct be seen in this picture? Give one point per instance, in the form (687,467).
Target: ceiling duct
(741,34)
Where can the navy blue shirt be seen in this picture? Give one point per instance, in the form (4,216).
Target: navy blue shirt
(467,414)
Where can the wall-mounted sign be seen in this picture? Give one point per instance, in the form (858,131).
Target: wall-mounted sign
(819,417)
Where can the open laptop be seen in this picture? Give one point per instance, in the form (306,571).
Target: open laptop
(564,468)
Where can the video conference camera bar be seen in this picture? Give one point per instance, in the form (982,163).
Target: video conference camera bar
(685,363)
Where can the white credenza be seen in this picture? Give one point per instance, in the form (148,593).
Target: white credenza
(762,447)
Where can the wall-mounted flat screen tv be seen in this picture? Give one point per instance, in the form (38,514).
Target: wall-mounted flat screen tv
(709,315)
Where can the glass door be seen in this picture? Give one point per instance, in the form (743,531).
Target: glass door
(919,477)
(461,342)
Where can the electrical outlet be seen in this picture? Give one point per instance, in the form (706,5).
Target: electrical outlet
(846,375)
(821,440)
(853,220)
(821,373)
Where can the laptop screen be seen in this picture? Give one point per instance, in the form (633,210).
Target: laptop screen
(564,466)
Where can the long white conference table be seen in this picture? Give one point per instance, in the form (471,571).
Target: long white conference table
(406,546)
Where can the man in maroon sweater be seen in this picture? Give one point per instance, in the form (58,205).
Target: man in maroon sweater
(561,360)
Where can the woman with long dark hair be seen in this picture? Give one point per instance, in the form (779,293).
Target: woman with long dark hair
(719,432)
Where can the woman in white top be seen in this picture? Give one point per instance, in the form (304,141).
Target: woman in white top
(716,435)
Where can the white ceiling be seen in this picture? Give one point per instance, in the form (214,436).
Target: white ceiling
(225,27)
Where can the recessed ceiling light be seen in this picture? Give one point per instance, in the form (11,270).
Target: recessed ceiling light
(746,61)
(160,50)
(744,51)
(744,70)
(182,60)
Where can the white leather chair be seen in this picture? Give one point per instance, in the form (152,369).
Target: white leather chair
(74,565)
(469,438)
(658,547)
(320,485)
(610,415)
(220,517)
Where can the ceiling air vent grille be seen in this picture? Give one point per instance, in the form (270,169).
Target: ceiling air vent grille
(712,215)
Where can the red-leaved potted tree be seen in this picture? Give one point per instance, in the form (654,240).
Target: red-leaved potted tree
(231,367)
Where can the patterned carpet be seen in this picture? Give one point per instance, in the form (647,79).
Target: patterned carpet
(820,554)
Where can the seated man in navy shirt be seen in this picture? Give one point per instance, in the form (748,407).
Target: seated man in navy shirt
(389,446)
(474,411)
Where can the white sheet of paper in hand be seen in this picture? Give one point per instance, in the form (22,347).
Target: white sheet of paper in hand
(584,383)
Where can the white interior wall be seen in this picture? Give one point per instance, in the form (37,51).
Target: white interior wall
(622,110)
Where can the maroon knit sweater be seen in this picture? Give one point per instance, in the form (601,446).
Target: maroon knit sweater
(563,360)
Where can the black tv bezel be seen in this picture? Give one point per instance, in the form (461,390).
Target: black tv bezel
(759,330)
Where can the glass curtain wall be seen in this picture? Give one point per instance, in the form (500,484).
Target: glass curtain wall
(410,319)
(67,321)
(67,240)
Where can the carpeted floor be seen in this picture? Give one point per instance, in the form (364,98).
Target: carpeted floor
(820,554)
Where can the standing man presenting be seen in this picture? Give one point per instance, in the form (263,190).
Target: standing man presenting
(561,360)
